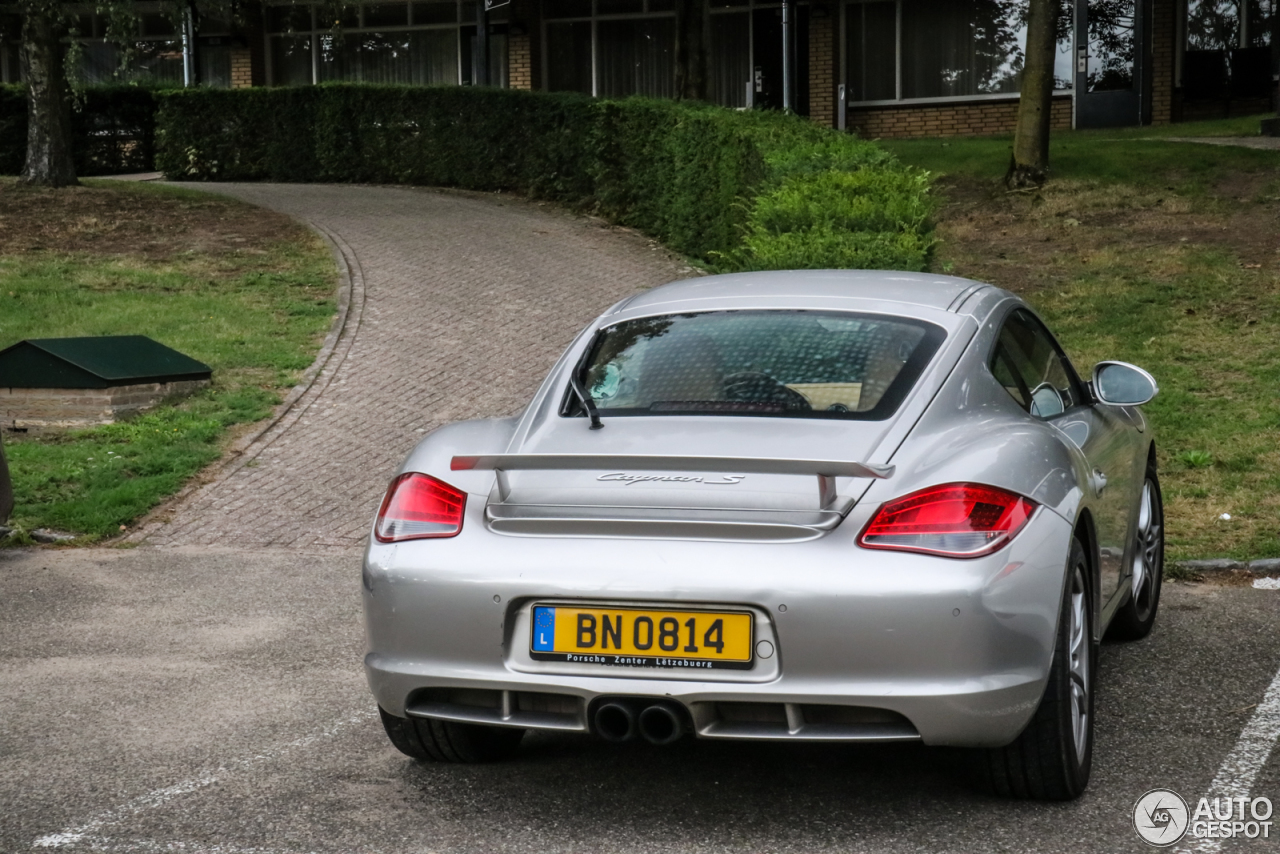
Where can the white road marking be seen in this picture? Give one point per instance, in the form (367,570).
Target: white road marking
(86,832)
(154,846)
(1241,767)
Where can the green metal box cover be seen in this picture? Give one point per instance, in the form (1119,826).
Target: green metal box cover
(99,362)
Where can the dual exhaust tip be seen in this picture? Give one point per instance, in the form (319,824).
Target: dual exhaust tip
(656,721)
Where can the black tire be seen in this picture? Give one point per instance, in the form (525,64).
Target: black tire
(445,741)
(1136,617)
(403,735)
(1052,758)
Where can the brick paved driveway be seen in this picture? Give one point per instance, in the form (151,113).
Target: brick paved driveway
(460,304)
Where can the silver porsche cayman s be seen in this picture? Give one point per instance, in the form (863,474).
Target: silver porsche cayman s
(797,506)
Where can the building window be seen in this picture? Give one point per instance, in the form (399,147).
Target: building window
(871,42)
(10,28)
(636,57)
(291,60)
(154,53)
(568,51)
(1213,25)
(900,50)
(424,43)
(960,48)
(10,70)
(1259,23)
(1111,46)
(213,65)
(497,56)
(730,58)
(1228,24)
(154,49)
(610,48)
(1227,49)
(747,54)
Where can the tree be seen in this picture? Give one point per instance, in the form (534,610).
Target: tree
(693,52)
(1029,166)
(49,160)
(50,66)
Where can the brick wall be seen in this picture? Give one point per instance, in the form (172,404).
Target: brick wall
(1164,36)
(823,69)
(62,408)
(520,61)
(241,68)
(524,58)
(981,118)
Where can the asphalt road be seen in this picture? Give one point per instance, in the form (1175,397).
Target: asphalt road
(196,700)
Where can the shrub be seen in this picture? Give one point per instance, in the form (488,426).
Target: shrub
(678,172)
(113,130)
(237,135)
(740,190)
(450,136)
(829,249)
(869,219)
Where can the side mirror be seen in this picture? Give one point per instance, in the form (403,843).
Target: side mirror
(1122,384)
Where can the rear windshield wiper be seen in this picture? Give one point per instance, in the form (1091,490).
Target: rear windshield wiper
(587,403)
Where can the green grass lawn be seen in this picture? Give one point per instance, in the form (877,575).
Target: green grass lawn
(1159,253)
(243,290)
(1134,156)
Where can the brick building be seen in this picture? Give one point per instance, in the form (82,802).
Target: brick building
(903,67)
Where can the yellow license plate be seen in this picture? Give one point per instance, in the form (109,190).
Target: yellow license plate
(631,637)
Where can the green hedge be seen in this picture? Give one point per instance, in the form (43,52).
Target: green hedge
(739,190)
(113,130)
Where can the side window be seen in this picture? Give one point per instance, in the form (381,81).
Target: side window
(1028,364)
(1007,376)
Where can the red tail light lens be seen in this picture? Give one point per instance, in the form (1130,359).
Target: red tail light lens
(955,520)
(416,507)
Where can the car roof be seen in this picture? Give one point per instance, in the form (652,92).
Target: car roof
(877,290)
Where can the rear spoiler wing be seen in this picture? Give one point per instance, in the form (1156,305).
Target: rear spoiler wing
(825,470)
(656,462)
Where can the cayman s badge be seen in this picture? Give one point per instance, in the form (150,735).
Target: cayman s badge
(628,479)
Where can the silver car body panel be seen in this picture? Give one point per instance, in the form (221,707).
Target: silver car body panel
(945,650)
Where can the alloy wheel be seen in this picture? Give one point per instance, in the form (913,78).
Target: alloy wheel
(1080,647)
(1146,558)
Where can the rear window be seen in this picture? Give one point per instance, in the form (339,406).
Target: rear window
(799,364)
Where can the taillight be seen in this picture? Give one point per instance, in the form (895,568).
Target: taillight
(418,506)
(955,520)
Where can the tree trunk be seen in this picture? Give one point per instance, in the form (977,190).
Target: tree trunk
(49,162)
(1030,164)
(693,50)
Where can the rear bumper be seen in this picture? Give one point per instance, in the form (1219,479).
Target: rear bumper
(871,646)
(763,713)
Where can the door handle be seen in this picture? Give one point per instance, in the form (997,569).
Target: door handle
(1099,480)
